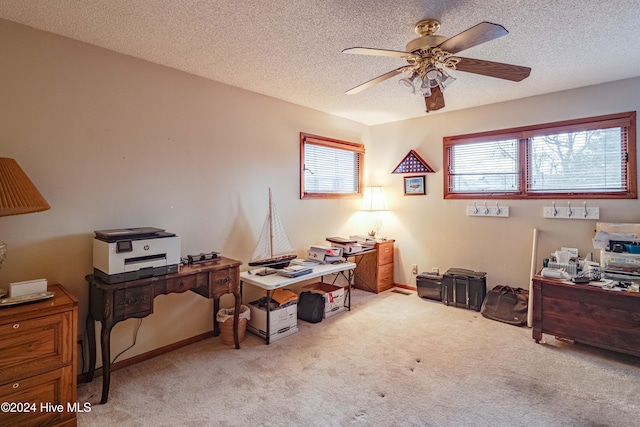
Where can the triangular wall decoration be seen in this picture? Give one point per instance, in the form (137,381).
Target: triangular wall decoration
(412,163)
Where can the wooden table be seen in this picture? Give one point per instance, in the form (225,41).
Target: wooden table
(588,314)
(113,303)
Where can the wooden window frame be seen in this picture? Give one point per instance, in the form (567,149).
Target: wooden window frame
(522,134)
(357,148)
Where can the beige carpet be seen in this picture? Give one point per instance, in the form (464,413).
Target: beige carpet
(394,360)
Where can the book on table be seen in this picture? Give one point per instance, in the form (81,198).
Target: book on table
(295,271)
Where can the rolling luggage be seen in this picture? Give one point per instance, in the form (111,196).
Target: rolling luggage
(464,288)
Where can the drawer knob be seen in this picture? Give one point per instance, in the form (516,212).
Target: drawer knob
(16,385)
(16,325)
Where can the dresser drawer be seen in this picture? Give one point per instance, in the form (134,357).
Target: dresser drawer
(132,302)
(223,281)
(54,387)
(385,253)
(181,284)
(385,275)
(35,345)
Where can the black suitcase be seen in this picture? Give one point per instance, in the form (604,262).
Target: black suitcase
(464,288)
(429,286)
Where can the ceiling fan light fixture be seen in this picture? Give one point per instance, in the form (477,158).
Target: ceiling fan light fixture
(425,90)
(432,77)
(407,84)
(433,74)
(447,79)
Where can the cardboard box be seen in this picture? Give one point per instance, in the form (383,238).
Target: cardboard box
(284,321)
(324,254)
(333,297)
(348,248)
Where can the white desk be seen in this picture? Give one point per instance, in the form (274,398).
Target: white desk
(274,281)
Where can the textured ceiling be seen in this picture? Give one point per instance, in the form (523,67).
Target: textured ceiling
(291,49)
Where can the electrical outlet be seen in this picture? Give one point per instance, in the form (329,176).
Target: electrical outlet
(414,268)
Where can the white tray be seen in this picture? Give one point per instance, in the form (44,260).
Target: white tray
(26,298)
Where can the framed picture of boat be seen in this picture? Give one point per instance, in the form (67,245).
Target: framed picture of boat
(414,185)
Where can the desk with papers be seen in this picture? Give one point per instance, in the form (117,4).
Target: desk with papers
(275,281)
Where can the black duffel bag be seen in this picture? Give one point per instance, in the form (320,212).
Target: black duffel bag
(506,304)
(311,307)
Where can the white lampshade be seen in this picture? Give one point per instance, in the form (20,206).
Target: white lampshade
(374,199)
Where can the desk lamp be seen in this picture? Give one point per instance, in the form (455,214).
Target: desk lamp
(374,201)
(18,195)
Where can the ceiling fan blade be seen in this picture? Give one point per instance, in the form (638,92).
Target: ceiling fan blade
(499,70)
(375,81)
(378,52)
(481,33)
(435,101)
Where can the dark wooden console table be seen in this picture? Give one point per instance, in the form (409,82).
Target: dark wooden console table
(587,314)
(112,303)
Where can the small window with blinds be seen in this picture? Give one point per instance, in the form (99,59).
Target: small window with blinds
(330,168)
(585,158)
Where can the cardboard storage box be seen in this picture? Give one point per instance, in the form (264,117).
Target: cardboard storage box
(284,321)
(333,297)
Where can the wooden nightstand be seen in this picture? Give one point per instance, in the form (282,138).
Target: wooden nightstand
(38,360)
(374,272)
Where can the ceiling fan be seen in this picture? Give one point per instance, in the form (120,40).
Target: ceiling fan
(430,56)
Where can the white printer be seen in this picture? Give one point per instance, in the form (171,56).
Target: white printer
(121,255)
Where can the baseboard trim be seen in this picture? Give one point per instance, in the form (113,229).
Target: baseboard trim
(82,378)
(409,287)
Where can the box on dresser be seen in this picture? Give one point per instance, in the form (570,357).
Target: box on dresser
(38,359)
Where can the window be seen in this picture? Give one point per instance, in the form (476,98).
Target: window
(585,158)
(330,168)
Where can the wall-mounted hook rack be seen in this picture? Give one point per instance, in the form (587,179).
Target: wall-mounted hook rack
(486,210)
(571,212)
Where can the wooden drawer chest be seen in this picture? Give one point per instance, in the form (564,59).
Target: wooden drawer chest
(374,271)
(587,314)
(38,360)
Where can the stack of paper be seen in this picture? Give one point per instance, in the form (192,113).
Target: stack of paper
(294,271)
(348,246)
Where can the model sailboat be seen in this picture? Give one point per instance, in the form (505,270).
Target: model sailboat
(274,248)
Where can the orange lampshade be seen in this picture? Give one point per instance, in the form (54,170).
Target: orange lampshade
(18,195)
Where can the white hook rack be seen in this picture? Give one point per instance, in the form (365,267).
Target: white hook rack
(570,212)
(497,210)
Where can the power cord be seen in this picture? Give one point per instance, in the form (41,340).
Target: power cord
(135,337)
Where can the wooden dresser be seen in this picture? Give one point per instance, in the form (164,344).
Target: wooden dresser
(587,314)
(38,361)
(374,271)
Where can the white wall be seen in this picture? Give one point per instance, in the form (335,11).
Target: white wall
(112,141)
(433,232)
